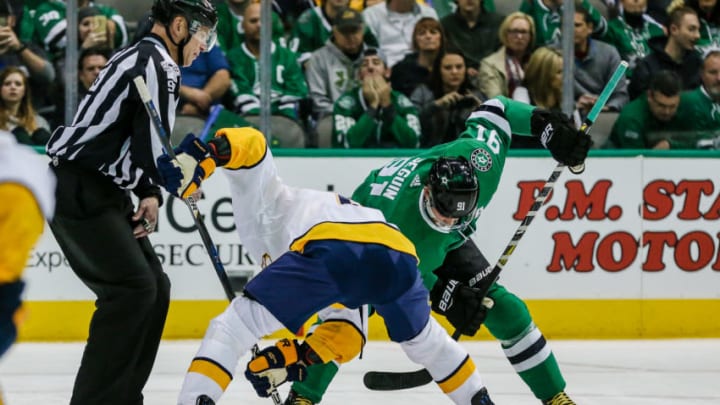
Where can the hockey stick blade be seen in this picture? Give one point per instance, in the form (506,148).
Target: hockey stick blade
(391,381)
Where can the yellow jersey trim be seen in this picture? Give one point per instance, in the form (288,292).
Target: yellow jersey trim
(369,232)
(212,371)
(458,377)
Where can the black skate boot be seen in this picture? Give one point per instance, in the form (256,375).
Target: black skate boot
(296,399)
(204,400)
(481,398)
(561,398)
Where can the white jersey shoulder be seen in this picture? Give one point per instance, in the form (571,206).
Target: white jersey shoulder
(22,165)
(270,214)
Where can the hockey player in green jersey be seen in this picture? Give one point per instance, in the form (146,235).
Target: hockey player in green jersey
(435,199)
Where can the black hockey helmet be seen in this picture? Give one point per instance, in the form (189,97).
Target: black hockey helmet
(198,13)
(453,187)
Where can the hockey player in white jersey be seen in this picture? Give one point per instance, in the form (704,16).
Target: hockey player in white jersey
(319,249)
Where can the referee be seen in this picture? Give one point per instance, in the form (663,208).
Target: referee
(110,150)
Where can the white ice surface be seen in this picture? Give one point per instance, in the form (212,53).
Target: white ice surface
(634,372)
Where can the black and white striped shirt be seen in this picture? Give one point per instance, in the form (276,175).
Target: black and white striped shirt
(111,131)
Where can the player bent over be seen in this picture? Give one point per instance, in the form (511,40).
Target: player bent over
(435,198)
(320,248)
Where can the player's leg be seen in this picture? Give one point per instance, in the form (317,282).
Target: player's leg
(524,345)
(426,342)
(229,336)
(285,294)
(510,322)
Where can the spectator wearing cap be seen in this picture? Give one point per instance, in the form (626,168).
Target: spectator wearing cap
(332,69)
(372,115)
(315,26)
(392,22)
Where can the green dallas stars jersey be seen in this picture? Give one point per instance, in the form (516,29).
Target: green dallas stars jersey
(50,25)
(396,188)
(632,43)
(709,36)
(354,127)
(288,83)
(699,110)
(548,24)
(230,31)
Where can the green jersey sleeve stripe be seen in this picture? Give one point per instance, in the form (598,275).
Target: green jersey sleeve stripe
(493,112)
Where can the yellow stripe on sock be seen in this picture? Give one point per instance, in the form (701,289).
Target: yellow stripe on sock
(458,377)
(212,371)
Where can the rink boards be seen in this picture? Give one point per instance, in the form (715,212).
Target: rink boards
(628,249)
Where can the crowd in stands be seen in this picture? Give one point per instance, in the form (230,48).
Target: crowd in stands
(394,73)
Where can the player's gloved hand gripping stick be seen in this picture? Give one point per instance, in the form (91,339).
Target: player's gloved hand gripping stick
(387,380)
(190,201)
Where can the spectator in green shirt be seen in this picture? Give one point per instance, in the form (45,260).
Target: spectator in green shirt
(373,115)
(653,112)
(701,108)
(629,30)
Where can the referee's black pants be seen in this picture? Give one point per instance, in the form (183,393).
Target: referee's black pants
(92,226)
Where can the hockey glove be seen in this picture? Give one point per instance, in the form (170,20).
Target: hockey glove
(464,307)
(272,366)
(234,148)
(557,133)
(183,175)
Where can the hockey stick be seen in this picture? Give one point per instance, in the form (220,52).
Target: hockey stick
(389,381)
(191,203)
(212,117)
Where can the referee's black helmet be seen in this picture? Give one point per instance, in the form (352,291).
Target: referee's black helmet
(201,11)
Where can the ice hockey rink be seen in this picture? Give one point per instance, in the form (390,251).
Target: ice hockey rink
(605,372)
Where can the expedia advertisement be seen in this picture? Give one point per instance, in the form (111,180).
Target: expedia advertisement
(632,242)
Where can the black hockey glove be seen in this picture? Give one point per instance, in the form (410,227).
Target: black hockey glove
(464,307)
(557,133)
